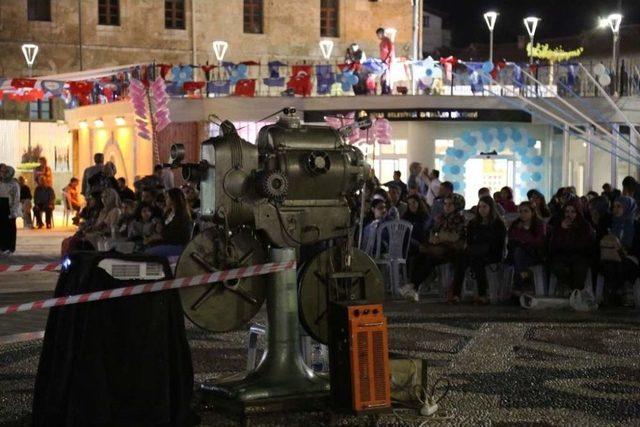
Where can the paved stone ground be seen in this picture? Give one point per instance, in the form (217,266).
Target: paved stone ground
(507,366)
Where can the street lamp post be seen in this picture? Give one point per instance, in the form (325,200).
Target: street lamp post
(219,50)
(30,51)
(531,24)
(614,20)
(490,18)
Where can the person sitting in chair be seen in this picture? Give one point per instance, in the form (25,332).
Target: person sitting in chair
(73,199)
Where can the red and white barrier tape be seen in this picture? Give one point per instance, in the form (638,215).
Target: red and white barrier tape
(54,266)
(180,283)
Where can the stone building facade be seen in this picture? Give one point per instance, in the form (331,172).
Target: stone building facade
(290,30)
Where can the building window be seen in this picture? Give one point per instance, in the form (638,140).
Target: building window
(39,10)
(389,158)
(174,14)
(427,21)
(329,18)
(40,110)
(109,12)
(253,12)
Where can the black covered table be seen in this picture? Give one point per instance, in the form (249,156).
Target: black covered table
(120,362)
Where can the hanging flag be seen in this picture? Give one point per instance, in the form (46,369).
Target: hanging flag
(21,83)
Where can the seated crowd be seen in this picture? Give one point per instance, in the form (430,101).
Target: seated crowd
(572,236)
(156,218)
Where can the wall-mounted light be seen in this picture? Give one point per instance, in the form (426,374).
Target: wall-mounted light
(98,123)
(326,47)
(82,124)
(120,121)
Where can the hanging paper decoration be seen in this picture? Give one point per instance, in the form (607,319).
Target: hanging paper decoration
(180,75)
(52,88)
(26,95)
(347,79)
(274,78)
(138,93)
(161,102)
(237,73)
(300,81)
(382,131)
(374,66)
(245,88)
(219,87)
(324,78)
(23,83)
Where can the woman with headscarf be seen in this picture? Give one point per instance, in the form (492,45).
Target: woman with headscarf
(445,241)
(618,262)
(571,247)
(486,237)
(10,209)
(600,216)
(107,222)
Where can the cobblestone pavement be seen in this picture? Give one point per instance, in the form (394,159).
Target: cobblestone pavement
(506,367)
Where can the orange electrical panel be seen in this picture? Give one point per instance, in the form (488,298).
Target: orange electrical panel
(359,357)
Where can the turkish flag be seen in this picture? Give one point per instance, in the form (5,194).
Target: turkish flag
(245,87)
(20,83)
(300,82)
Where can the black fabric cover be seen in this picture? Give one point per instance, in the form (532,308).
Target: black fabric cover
(120,362)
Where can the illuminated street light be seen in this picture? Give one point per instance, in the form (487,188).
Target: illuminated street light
(326,47)
(491,18)
(613,21)
(531,24)
(220,49)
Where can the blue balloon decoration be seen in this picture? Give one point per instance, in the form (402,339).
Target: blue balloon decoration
(523,192)
(525,176)
(536,176)
(450,151)
(537,160)
(472,141)
(525,160)
(501,147)
(457,186)
(487,67)
(459,154)
(502,136)
(445,168)
(516,136)
(531,142)
(455,169)
(487,137)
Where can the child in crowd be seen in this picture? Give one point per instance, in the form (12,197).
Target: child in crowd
(146,224)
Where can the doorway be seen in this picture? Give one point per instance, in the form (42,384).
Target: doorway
(493,172)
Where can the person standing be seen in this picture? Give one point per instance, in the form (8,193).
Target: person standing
(9,209)
(44,199)
(124,191)
(25,202)
(387,54)
(433,189)
(43,171)
(98,159)
(397,181)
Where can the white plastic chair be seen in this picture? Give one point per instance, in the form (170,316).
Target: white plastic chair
(539,279)
(397,236)
(439,287)
(499,278)
(66,213)
(553,283)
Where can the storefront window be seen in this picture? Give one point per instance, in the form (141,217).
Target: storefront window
(600,168)
(388,158)
(577,164)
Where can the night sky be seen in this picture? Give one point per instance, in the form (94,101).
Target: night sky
(559,17)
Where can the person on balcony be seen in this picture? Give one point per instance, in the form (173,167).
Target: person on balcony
(387,55)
